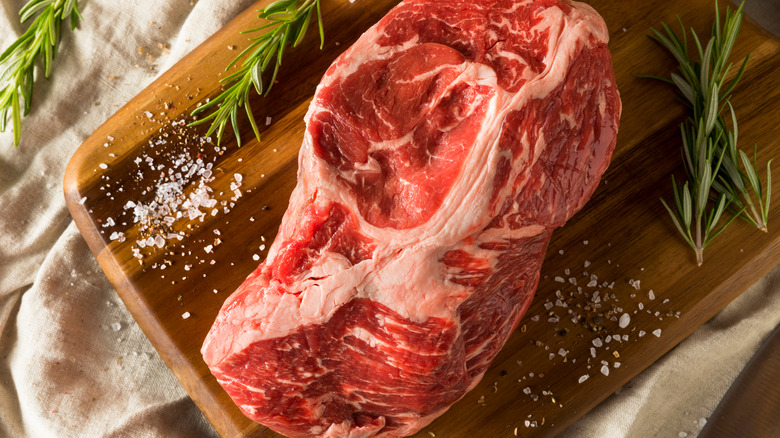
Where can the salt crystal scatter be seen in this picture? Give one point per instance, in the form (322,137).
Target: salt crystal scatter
(641,333)
(625,319)
(583,378)
(116,326)
(657,333)
(597,342)
(605,370)
(103,165)
(255,257)
(651,295)
(267,121)
(185,315)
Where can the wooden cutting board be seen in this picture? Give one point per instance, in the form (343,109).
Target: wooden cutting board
(623,236)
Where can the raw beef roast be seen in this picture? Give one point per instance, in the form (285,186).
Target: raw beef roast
(441,151)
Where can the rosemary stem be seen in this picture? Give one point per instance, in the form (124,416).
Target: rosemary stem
(699,247)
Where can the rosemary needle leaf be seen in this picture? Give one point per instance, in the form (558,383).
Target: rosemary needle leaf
(658,78)
(677,223)
(320,26)
(684,87)
(288,22)
(768,192)
(715,218)
(32,8)
(251,118)
(686,204)
(733,83)
(17,122)
(751,172)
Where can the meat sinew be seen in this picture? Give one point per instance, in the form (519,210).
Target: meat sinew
(441,151)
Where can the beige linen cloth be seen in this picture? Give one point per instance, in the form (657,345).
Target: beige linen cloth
(72,361)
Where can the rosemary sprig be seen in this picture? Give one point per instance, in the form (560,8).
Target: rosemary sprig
(288,22)
(709,147)
(41,38)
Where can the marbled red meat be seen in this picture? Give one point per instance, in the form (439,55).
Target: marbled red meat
(441,150)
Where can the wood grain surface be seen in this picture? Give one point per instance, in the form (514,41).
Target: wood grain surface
(622,236)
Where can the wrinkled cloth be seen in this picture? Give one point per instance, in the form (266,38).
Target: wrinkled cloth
(73,363)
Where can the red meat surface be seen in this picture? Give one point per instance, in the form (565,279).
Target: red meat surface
(441,151)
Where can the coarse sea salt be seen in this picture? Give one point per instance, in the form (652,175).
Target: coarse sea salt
(625,319)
